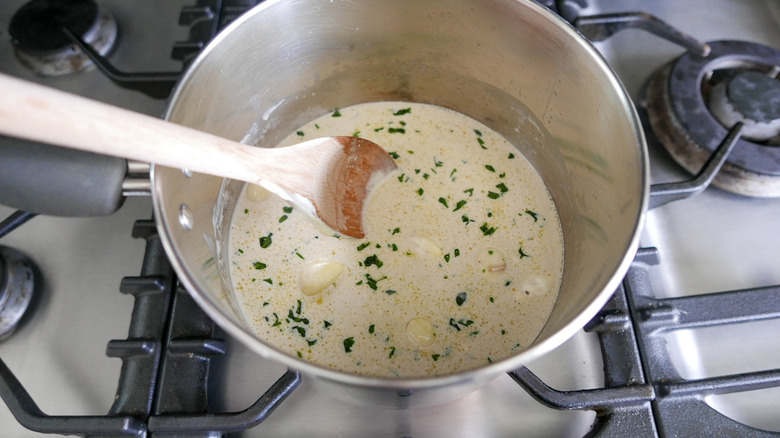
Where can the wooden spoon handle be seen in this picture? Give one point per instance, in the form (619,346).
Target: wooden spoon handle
(39,113)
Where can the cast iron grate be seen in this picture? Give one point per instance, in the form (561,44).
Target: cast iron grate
(644,395)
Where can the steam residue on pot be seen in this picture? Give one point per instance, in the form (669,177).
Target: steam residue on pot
(461,263)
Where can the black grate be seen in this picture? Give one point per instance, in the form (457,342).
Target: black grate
(644,395)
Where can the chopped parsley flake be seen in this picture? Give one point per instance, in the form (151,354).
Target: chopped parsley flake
(469,191)
(420,191)
(402,112)
(493,195)
(371,329)
(373,260)
(522,254)
(348,343)
(393,154)
(533,214)
(259,265)
(460,205)
(511,156)
(490,168)
(390,292)
(443,202)
(287,209)
(502,187)
(396,130)
(461,298)
(487,230)
(363,246)
(268,280)
(300,133)
(392,352)
(396,230)
(266,241)
(283,218)
(336,113)
(435,357)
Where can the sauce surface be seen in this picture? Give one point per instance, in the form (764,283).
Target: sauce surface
(460,266)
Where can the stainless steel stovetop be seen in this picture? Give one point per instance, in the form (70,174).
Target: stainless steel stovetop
(712,242)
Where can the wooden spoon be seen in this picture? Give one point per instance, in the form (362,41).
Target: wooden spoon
(327,177)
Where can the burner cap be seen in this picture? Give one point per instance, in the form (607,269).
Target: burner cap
(17,284)
(750,97)
(693,102)
(42,46)
(36,26)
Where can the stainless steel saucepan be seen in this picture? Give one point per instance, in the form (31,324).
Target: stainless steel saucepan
(510,64)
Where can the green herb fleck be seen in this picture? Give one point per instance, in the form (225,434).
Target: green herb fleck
(301,331)
(300,355)
(268,280)
(522,254)
(396,230)
(447,257)
(443,202)
(393,154)
(259,265)
(390,292)
(456,252)
(420,191)
(300,133)
(392,352)
(402,112)
(466,219)
(502,187)
(435,357)
(396,130)
(437,163)
(461,298)
(246,210)
(287,209)
(373,260)
(469,191)
(371,282)
(371,329)
(454,324)
(336,113)
(348,343)
(326,324)
(487,230)
(493,195)
(511,156)
(460,205)
(481,143)
(363,246)
(283,218)
(490,168)
(299,255)
(266,241)
(533,214)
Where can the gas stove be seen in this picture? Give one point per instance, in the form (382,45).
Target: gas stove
(687,346)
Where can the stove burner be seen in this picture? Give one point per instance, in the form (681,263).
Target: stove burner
(17,281)
(40,44)
(693,102)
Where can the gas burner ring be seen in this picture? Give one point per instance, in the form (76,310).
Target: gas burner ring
(42,46)
(17,287)
(681,117)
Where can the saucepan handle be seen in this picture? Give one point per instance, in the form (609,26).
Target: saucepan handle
(56,181)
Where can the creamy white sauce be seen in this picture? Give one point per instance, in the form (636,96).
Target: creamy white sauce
(467,236)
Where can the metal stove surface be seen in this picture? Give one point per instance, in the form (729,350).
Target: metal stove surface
(714,241)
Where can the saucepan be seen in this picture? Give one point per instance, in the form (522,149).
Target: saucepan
(510,64)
